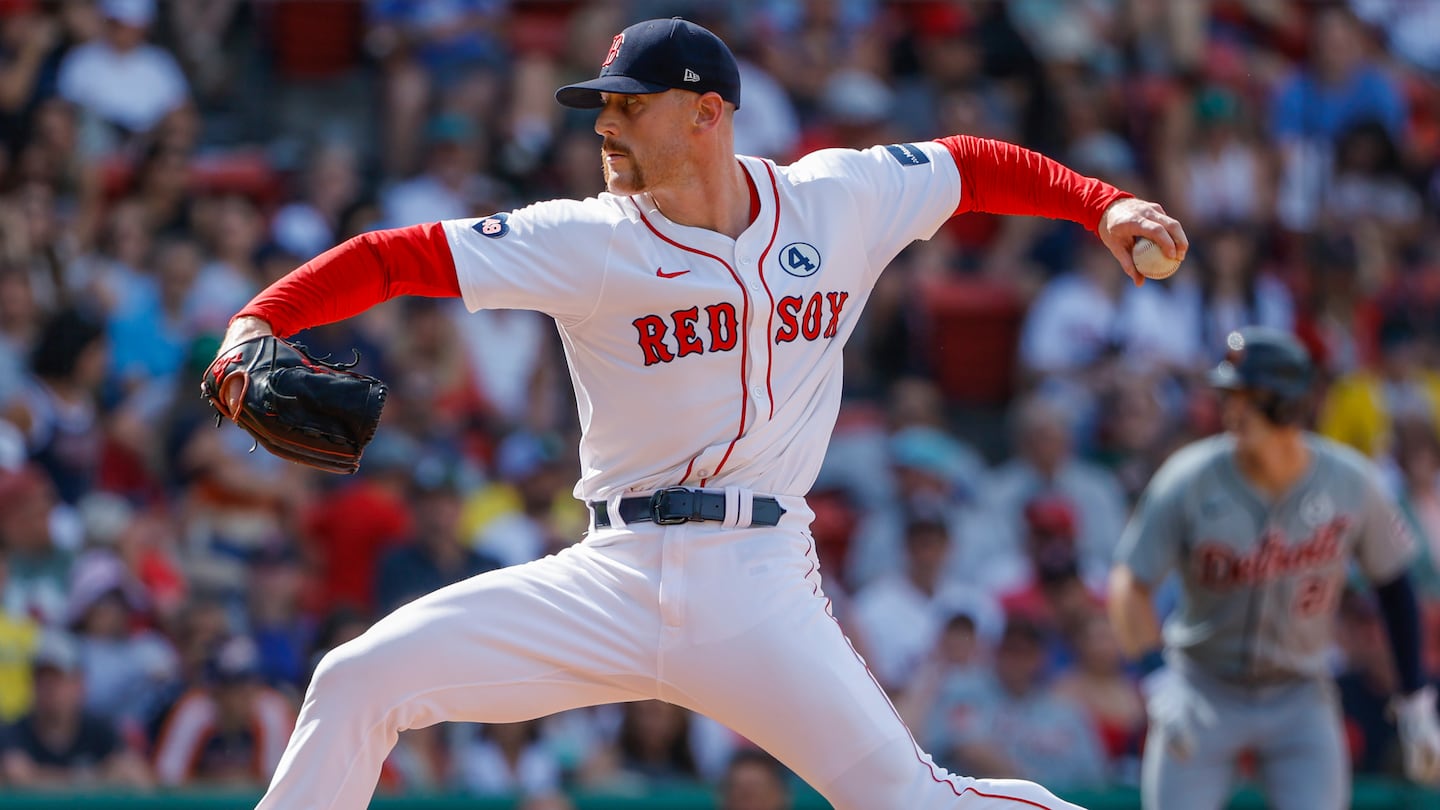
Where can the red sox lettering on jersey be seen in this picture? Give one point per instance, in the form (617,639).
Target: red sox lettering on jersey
(748,332)
(797,316)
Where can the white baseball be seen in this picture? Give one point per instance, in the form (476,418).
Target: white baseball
(1151,261)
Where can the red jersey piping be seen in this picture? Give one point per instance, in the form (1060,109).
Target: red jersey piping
(744,339)
(770,316)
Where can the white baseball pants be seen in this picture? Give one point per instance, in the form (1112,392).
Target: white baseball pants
(728,622)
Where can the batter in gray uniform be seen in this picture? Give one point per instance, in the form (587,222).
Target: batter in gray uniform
(1261,524)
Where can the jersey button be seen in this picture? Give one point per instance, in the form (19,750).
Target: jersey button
(755,285)
(702,473)
(758,391)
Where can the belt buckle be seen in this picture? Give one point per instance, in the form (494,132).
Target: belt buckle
(672,505)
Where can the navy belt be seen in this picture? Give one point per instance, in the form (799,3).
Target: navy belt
(682,505)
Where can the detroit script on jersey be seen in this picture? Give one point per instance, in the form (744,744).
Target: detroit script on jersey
(703,360)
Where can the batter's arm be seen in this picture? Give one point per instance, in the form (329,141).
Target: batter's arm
(1401,613)
(1414,707)
(1131,605)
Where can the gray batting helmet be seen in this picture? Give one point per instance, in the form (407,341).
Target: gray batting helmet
(1270,364)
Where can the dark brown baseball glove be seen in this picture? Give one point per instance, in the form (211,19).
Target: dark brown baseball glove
(299,408)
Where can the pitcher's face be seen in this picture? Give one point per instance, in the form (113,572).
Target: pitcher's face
(643,146)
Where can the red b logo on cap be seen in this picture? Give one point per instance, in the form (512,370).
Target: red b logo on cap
(614,50)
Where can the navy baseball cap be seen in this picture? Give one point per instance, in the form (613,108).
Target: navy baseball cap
(659,55)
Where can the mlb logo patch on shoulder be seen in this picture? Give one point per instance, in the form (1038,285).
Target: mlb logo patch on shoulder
(907,154)
(493,226)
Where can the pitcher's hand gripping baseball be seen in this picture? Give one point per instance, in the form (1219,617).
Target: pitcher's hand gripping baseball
(299,408)
(1419,730)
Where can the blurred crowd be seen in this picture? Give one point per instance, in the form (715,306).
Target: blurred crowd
(165,592)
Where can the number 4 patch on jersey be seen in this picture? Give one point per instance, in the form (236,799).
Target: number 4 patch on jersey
(493,226)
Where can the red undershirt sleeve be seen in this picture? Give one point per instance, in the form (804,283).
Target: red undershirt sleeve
(1001,178)
(356,275)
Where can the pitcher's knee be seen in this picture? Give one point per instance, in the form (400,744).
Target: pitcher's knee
(354,675)
(895,775)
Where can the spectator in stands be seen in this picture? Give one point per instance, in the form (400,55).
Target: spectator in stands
(804,44)
(39,570)
(229,730)
(754,780)
(1360,408)
(1018,726)
(511,358)
(1101,686)
(125,665)
(1045,462)
(506,759)
(58,745)
(161,186)
(421,761)
(345,533)
(197,632)
(1074,332)
(152,329)
(120,78)
(59,412)
(1337,316)
(53,158)
(19,636)
(1230,289)
(957,667)
(654,745)
(143,540)
(436,555)
(1053,594)
(934,474)
(520,505)
(233,234)
(433,56)
(281,631)
(453,183)
(1092,144)
(238,501)
(436,396)
(856,110)
(310,225)
(900,616)
(1416,456)
(30,36)
(1340,87)
(1221,173)
(1135,433)
(117,270)
(1370,188)
(20,320)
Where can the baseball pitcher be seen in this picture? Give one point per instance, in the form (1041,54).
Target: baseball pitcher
(703,303)
(1261,524)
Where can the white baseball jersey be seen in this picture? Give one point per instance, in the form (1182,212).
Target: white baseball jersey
(743,336)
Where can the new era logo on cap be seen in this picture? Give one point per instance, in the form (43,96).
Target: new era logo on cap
(659,55)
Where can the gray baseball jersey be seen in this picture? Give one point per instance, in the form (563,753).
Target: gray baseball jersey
(1261,579)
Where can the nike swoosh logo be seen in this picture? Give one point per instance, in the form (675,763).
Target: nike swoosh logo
(663,274)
